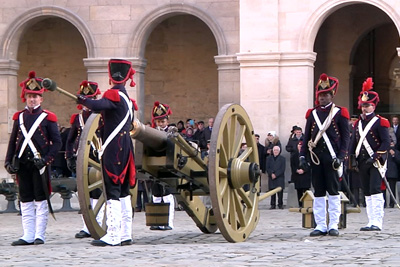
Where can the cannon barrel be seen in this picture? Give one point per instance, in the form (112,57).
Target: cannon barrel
(52,86)
(150,137)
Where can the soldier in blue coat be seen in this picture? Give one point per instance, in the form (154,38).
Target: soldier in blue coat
(368,151)
(326,140)
(116,153)
(34,142)
(91,90)
(160,118)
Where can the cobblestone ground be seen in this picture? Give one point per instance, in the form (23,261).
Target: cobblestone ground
(278,240)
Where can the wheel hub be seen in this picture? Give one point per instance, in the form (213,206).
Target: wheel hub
(241,173)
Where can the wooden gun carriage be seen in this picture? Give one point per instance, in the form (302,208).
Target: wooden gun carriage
(166,157)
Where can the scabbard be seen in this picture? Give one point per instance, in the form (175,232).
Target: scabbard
(45,186)
(390,191)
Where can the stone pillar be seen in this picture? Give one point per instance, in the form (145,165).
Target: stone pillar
(10,90)
(97,71)
(139,65)
(276,90)
(228,80)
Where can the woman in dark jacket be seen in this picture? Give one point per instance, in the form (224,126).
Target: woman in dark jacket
(301,178)
(275,168)
(392,173)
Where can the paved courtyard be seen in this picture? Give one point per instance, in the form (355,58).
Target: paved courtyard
(278,240)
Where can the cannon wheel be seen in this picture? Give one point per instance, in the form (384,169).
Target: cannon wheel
(89,178)
(236,210)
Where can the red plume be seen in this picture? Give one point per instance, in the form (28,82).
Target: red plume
(32,74)
(367,85)
(323,77)
(84,84)
(156,104)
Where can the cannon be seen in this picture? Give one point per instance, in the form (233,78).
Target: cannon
(166,157)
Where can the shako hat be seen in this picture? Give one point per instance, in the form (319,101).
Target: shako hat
(326,84)
(120,71)
(32,85)
(367,96)
(89,89)
(160,111)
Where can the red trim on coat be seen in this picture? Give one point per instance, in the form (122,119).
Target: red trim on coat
(112,95)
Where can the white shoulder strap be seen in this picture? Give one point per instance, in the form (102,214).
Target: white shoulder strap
(363,134)
(28,136)
(120,125)
(323,127)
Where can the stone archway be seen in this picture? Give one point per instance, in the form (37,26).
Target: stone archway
(334,53)
(227,68)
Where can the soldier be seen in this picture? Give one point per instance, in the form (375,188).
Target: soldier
(159,119)
(34,143)
(78,120)
(368,152)
(116,153)
(326,139)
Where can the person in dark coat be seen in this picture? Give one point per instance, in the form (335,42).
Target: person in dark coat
(300,177)
(91,90)
(369,146)
(325,142)
(392,173)
(261,153)
(35,153)
(206,136)
(116,153)
(275,168)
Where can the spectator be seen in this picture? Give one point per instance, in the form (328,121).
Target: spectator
(261,153)
(206,136)
(394,131)
(392,173)
(300,177)
(198,135)
(271,141)
(275,169)
(180,127)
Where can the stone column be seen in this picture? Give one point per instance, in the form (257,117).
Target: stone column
(10,90)
(139,65)
(228,80)
(276,90)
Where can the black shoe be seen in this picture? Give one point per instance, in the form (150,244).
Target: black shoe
(155,227)
(365,228)
(272,208)
(100,243)
(333,232)
(82,234)
(127,242)
(317,233)
(165,227)
(374,228)
(21,242)
(38,241)
(281,207)
(391,206)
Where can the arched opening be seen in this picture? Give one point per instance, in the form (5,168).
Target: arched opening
(181,70)
(355,42)
(53,48)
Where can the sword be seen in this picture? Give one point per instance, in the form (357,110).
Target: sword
(340,173)
(45,187)
(382,170)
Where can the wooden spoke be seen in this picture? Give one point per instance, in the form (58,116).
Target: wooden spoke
(235,209)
